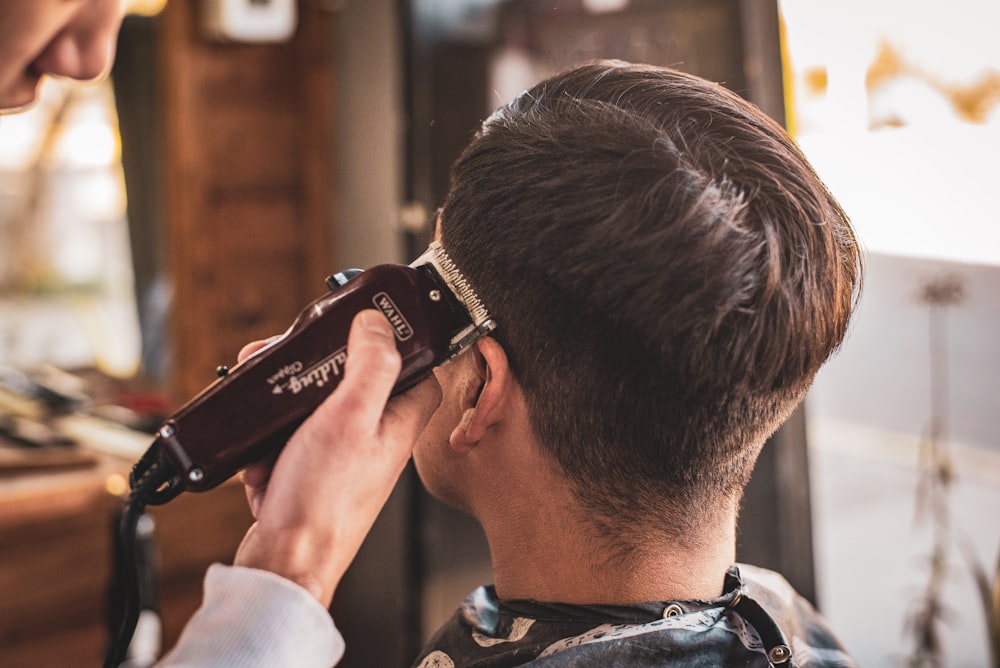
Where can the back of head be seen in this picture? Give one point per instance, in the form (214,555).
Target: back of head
(667,273)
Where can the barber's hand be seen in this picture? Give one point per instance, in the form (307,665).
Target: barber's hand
(316,503)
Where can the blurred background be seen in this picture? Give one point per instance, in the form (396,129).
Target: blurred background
(152,224)
(898,106)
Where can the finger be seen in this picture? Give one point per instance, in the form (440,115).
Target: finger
(372,367)
(406,415)
(255,478)
(250,348)
(255,499)
(258,473)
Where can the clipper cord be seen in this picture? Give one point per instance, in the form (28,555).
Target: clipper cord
(154,481)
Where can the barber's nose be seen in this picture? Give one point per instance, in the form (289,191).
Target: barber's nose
(81,55)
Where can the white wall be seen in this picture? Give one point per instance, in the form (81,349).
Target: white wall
(369,137)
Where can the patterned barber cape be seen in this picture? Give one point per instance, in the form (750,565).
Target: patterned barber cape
(759,620)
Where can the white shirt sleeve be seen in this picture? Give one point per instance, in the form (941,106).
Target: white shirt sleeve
(252,617)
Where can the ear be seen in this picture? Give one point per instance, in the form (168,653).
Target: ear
(486,397)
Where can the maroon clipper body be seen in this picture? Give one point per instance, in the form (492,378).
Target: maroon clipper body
(252,410)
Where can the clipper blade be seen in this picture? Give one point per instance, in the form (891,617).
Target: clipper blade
(481,322)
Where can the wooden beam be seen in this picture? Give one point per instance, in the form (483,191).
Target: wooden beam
(776,518)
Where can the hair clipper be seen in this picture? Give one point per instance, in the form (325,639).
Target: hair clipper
(253,408)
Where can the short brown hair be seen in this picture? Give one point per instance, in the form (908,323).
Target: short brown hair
(667,271)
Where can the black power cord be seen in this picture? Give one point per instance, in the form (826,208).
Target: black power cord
(154,481)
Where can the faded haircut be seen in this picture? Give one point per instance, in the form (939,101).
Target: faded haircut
(667,272)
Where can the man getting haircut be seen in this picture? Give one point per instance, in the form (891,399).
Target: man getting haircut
(667,274)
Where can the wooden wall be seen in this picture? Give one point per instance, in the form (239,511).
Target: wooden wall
(57,533)
(247,146)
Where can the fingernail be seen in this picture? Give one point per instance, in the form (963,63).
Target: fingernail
(375,322)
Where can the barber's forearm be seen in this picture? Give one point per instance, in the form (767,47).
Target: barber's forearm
(300,559)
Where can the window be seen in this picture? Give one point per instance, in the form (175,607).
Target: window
(66,295)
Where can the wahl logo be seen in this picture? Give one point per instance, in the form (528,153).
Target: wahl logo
(396,319)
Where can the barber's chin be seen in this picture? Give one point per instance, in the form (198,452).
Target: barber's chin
(20,96)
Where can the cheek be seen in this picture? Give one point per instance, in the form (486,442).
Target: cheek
(435,461)
(433,443)
(430,461)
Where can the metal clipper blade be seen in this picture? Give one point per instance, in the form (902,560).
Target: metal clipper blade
(480,321)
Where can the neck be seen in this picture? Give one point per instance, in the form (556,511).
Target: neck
(547,556)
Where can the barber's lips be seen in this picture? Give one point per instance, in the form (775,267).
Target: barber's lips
(23,93)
